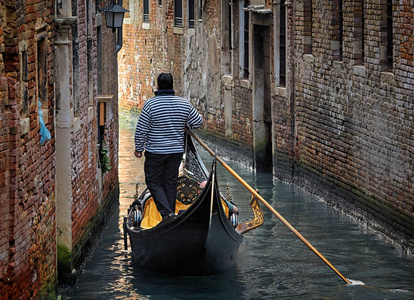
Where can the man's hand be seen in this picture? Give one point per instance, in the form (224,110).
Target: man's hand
(138,154)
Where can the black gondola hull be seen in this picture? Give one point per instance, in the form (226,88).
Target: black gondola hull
(200,241)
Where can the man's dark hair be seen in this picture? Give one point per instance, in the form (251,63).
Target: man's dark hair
(165,81)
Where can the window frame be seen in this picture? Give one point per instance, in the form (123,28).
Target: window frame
(178,13)
(145,11)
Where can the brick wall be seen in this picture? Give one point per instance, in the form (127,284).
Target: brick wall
(4,160)
(92,189)
(342,125)
(143,56)
(27,171)
(354,121)
(194,58)
(28,200)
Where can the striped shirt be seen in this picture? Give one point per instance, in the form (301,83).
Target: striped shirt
(160,127)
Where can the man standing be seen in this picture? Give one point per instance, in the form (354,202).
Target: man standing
(160,130)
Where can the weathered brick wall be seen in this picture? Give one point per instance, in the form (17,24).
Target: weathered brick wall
(201,68)
(143,56)
(110,87)
(204,83)
(85,187)
(4,160)
(341,125)
(354,122)
(241,114)
(193,56)
(89,195)
(283,107)
(27,168)
(28,262)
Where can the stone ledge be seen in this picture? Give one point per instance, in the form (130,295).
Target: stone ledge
(98,20)
(245,83)
(337,65)
(24,125)
(178,30)
(90,113)
(105,98)
(359,71)
(280,91)
(227,80)
(65,23)
(76,124)
(308,58)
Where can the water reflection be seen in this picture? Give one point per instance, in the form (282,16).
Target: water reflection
(272,262)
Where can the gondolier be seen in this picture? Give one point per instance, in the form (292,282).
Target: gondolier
(202,239)
(160,131)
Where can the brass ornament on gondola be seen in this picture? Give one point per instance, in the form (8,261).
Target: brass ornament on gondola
(187,190)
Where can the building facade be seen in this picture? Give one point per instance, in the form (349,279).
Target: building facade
(58,139)
(318,92)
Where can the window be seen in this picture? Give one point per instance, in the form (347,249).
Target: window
(24,82)
(362,31)
(200,9)
(99,58)
(42,71)
(390,44)
(178,13)
(307,26)
(244,39)
(191,14)
(226,37)
(146,11)
(230,25)
(24,67)
(359,37)
(341,30)
(337,30)
(282,45)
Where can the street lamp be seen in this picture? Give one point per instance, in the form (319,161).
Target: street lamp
(114,15)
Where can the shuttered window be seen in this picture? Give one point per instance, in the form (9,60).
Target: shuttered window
(146,11)
(178,13)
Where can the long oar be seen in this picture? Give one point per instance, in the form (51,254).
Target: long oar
(279,216)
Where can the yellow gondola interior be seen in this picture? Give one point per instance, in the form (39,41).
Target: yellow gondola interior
(187,193)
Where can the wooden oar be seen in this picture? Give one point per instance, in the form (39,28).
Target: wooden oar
(279,216)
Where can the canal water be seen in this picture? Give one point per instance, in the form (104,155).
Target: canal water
(272,262)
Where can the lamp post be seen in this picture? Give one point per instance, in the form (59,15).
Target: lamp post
(114,15)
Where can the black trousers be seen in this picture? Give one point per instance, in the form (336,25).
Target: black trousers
(161,173)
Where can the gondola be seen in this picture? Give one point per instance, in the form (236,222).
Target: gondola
(204,236)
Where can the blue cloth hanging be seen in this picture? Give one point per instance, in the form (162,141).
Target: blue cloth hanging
(44,133)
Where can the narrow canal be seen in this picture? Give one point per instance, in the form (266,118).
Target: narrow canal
(272,262)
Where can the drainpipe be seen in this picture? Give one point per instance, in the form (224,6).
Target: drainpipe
(119,33)
(119,39)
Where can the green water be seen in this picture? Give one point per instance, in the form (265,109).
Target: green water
(272,263)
